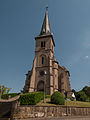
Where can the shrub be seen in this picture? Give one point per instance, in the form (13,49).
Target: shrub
(57,98)
(48,96)
(5,96)
(31,98)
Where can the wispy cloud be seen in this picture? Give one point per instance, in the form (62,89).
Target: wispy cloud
(86,57)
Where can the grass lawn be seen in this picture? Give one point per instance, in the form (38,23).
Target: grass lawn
(69,103)
(78,103)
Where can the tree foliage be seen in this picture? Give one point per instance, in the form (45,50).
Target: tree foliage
(83,95)
(4,90)
(86,90)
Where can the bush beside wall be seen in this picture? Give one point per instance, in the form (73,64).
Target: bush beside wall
(6,96)
(57,98)
(31,98)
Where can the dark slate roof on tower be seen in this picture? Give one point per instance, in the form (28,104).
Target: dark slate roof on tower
(45,30)
(46,25)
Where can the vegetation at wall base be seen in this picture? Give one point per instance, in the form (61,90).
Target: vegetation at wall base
(31,98)
(57,98)
(6,96)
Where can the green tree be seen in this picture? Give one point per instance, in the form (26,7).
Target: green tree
(8,89)
(81,96)
(4,90)
(86,89)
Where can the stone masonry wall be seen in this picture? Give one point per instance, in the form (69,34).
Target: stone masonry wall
(25,112)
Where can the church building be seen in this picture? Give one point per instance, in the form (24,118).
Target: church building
(46,73)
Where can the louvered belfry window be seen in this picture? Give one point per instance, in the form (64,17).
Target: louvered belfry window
(43,44)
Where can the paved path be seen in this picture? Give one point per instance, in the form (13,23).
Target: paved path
(62,118)
(72,118)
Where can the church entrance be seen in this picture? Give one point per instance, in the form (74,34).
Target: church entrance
(40,86)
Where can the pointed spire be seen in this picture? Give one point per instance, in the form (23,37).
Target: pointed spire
(46,25)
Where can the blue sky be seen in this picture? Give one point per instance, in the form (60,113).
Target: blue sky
(20,23)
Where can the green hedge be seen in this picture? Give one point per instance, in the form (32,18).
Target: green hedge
(57,98)
(31,98)
(5,96)
(48,96)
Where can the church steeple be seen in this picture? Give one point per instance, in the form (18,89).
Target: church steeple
(45,30)
(46,25)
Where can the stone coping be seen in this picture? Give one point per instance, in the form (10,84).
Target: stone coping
(10,100)
(51,106)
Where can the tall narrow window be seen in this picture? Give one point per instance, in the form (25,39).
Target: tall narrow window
(43,44)
(42,60)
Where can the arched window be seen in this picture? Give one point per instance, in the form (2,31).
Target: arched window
(41,44)
(42,60)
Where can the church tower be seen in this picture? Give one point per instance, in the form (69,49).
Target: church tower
(46,72)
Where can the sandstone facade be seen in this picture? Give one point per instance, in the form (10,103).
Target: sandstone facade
(46,71)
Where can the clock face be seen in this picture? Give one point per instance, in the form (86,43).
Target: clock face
(41,73)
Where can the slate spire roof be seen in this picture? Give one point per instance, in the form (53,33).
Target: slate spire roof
(46,25)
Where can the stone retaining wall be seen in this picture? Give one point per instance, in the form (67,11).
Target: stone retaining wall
(25,112)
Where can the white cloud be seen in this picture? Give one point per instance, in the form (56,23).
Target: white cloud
(86,57)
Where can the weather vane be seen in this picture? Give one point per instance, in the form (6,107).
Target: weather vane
(46,7)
